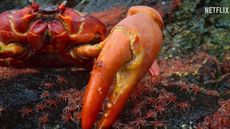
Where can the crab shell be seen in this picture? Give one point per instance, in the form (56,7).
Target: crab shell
(48,33)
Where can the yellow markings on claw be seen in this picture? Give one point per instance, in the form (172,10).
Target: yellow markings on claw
(127,73)
(123,78)
(13,48)
(137,52)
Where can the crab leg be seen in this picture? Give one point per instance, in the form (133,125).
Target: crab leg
(87,50)
(154,69)
(127,55)
(11,62)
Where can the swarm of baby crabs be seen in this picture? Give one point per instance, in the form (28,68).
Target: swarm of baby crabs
(218,120)
(57,36)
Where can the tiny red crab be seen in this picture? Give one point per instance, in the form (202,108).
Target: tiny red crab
(25,112)
(43,119)
(40,107)
(67,117)
(57,36)
(183,106)
(159,124)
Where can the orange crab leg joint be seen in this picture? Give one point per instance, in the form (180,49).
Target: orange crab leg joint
(87,50)
(127,54)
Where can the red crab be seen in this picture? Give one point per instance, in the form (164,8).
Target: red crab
(57,36)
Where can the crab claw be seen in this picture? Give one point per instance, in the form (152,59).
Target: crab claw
(127,54)
(10,50)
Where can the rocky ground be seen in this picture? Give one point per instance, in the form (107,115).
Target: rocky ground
(193,90)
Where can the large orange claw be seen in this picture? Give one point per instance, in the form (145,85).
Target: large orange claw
(127,54)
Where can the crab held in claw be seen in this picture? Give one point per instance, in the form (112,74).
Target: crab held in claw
(56,36)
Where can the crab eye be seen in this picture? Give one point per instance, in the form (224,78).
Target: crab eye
(34,5)
(61,7)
